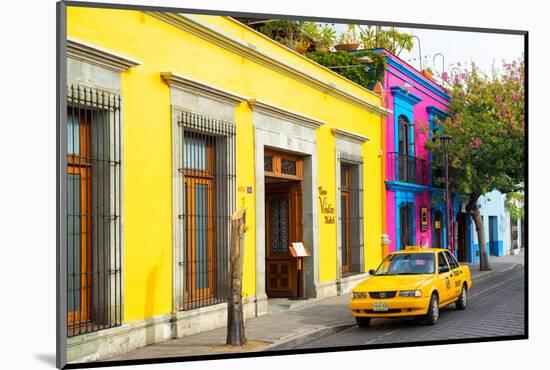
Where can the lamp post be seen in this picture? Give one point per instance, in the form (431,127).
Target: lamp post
(443,60)
(445,143)
(419,50)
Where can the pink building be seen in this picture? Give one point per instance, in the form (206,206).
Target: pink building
(415,207)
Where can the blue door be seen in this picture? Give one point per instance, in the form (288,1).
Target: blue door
(493,235)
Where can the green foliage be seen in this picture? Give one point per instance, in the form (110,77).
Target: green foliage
(365,77)
(393,41)
(288,33)
(486,121)
(514,205)
(320,36)
(327,36)
(311,31)
(350,36)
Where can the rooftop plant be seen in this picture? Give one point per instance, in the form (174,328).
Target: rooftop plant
(351,67)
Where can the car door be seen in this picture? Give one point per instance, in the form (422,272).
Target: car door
(456,275)
(443,279)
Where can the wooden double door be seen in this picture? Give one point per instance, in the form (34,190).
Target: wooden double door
(283,213)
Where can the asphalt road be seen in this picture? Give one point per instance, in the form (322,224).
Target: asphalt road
(495,308)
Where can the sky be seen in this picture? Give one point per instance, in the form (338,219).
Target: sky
(459,47)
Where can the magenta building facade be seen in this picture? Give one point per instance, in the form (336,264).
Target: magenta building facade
(414,199)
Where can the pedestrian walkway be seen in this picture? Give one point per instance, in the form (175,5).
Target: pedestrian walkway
(290,322)
(498,264)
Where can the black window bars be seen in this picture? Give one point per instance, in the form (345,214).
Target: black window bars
(208,198)
(94,285)
(351,217)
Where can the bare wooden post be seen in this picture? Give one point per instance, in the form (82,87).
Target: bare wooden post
(235,320)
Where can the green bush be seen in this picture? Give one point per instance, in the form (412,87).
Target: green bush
(366,77)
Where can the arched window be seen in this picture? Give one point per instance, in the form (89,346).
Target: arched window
(406,161)
(405,136)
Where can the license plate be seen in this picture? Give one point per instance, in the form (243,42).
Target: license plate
(380,306)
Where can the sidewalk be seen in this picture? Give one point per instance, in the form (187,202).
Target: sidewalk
(498,264)
(291,323)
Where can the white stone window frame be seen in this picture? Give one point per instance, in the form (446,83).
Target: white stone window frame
(92,66)
(190,95)
(348,150)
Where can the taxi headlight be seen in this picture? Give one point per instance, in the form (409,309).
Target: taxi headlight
(359,295)
(410,293)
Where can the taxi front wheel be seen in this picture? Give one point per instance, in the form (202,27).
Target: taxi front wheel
(362,322)
(433,311)
(461,301)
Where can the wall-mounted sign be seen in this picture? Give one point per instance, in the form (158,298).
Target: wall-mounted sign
(326,208)
(423,219)
(438,224)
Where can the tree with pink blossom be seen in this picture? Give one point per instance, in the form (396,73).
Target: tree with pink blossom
(486,119)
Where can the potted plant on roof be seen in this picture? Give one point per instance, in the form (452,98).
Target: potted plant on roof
(288,33)
(310,32)
(322,38)
(349,40)
(427,72)
(327,38)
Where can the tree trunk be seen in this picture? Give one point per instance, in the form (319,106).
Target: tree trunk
(235,320)
(473,209)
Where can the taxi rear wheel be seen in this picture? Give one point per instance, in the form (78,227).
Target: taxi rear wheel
(433,311)
(362,322)
(462,298)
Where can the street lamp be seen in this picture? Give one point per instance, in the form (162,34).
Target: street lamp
(445,143)
(419,50)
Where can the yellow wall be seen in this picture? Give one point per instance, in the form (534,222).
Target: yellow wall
(147,187)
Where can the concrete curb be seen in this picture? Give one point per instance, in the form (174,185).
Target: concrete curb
(485,274)
(307,337)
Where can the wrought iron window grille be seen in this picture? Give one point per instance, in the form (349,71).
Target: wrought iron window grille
(208,198)
(94,294)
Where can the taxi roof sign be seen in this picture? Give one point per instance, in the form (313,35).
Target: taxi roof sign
(413,247)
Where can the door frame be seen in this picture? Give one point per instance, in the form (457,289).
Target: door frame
(292,192)
(307,149)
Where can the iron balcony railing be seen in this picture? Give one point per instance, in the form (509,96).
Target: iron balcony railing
(438,178)
(405,168)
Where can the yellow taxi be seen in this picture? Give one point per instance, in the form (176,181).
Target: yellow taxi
(415,282)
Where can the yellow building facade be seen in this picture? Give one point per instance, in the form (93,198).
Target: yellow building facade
(212,117)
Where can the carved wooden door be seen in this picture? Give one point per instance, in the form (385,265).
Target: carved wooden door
(283,226)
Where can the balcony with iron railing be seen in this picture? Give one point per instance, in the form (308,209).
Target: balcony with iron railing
(407,169)
(438,178)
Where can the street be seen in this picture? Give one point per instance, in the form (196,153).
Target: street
(495,308)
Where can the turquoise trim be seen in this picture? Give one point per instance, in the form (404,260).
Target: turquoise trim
(435,111)
(405,186)
(403,105)
(402,197)
(434,190)
(497,249)
(420,80)
(403,94)
(441,208)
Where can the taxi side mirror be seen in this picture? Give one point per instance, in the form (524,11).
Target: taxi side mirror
(372,272)
(443,269)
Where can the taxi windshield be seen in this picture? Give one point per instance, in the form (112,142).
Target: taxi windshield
(407,264)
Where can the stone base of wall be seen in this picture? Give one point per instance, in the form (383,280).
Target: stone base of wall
(344,285)
(326,289)
(117,341)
